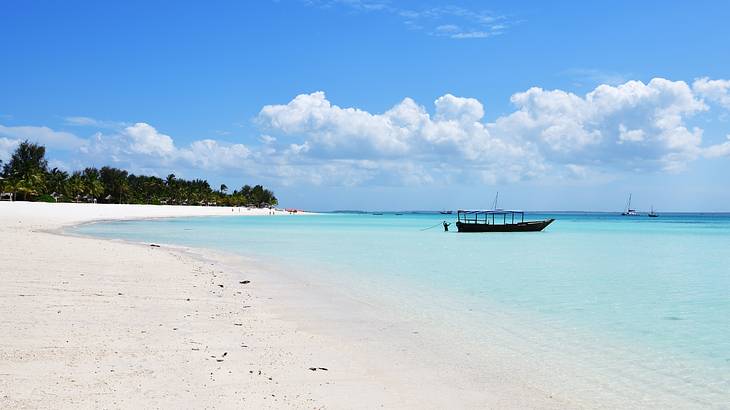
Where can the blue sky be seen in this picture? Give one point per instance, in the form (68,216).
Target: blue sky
(383,104)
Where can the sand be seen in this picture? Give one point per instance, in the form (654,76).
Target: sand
(95,323)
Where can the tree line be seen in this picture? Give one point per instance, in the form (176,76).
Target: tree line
(27,177)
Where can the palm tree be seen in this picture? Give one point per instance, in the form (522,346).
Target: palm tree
(173,188)
(93,187)
(9,186)
(27,173)
(76,185)
(56,182)
(115,183)
(27,168)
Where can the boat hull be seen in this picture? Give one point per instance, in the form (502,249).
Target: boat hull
(529,226)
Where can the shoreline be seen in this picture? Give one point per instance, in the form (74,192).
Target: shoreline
(73,335)
(296,303)
(288,323)
(94,322)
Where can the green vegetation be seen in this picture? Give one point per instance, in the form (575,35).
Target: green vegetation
(27,176)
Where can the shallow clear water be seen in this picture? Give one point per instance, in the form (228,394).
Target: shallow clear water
(654,291)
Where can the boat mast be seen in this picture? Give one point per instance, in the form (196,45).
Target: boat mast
(496,198)
(628,204)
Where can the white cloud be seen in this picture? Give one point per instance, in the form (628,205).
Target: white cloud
(464,110)
(473,34)
(448,28)
(81,121)
(714,90)
(405,134)
(145,139)
(267,139)
(347,131)
(7,146)
(446,21)
(629,127)
(298,149)
(719,150)
(143,146)
(138,146)
(627,135)
(210,154)
(595,76)
(598,127)
(42,135)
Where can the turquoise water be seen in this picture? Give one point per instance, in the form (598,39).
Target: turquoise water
(655,291)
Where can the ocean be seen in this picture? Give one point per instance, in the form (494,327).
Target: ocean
(644,303)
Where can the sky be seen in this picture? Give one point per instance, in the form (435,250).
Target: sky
(383,105)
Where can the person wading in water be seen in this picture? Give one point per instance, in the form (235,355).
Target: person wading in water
(446,226)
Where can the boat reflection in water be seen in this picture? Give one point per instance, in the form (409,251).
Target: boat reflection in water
(498,221)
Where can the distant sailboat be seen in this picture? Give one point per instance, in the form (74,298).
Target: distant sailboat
(652,214)
(628,211)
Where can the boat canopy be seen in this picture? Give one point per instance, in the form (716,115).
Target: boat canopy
(490,211)
(490,216)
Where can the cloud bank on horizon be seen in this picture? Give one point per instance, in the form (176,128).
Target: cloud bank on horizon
(551,133)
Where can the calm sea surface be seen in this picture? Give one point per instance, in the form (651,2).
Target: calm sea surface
(652,294)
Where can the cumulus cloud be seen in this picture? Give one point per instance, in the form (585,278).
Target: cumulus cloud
(7,146)
(43,135)
(340,131)
(144,145)
(211,154)
(629,125)
(406,134)
(138,146)
(627,135)
(145,139)
(550,133)
(717,91)
(719,150)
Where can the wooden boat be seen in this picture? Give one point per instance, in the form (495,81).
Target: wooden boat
(497,221)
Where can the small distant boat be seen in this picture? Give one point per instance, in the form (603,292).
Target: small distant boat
(446,212)
(377,213)
(628,211)
(652,214)
(497,221)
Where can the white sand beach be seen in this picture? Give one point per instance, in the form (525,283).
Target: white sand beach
(97,323)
